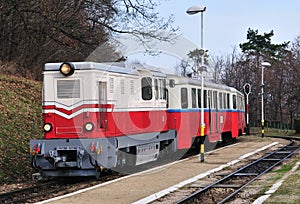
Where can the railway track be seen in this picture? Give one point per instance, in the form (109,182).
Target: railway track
(25,194)
(227,187)
(47,190)
(42,191)
(59,187)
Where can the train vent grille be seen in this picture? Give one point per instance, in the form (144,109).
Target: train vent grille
(68,89)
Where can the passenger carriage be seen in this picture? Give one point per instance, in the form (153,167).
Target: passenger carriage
(223,110)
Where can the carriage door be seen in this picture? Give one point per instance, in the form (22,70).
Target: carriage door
(209,97)
(216,105)
(103,104)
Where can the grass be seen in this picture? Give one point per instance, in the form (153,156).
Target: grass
(21,120)
(273,132)
(288,192)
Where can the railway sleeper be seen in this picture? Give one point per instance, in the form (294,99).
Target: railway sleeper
(246,174)
(271,159)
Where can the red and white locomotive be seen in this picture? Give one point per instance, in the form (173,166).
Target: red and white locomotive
(106,115)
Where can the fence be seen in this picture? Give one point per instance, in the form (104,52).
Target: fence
(278,125)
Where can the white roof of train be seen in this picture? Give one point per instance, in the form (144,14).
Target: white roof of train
(137,69)
(116,67)
(197,82)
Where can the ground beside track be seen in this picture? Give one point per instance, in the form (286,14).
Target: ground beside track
(139,186)
(281,185)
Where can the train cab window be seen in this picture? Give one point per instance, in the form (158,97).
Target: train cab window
(184,98)
(146,88)
(156,88)
(194,99)
(167,97)
(162,92)
(199,98)
(172,83)
(234,103)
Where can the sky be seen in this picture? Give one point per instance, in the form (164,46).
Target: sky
(225,25)
(226,21)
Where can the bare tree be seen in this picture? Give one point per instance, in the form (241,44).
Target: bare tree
(183,68)
(218,64)
(35,31)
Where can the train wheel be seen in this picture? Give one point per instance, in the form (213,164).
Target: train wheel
(121,159)
(166,149)
(98,174)
(126,157)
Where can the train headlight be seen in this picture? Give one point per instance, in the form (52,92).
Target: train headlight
(67,69)
(89,127)
(47,127)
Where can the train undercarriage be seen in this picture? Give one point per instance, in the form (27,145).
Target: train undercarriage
(88,157)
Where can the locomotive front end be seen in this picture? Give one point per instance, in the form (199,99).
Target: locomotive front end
(72,145)
(73,157)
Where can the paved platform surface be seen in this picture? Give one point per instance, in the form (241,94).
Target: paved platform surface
(139,186)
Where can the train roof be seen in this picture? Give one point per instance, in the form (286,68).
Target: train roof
(197,82)
(138,69)
(115,67)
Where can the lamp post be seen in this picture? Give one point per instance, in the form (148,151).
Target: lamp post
(263,65)
(191,11)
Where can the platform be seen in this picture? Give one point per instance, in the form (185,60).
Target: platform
(144,186)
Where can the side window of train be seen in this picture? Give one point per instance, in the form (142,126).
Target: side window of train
(146,88)
(199,98)
(234,101)
(165,89)
(228,101)
(184,98)
(220,100)
(205,99)
(209,97)
(194,99)
(215,100)
(241,102)
(224,101)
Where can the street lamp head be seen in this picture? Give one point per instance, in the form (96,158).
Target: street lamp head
(195,9)
(266,64)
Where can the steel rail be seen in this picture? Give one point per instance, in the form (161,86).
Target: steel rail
(236,173)
(19,195)
(40,191)
(252,180)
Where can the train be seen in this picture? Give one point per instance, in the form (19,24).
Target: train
(101,116)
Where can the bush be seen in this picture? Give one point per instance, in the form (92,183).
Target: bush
(21,120)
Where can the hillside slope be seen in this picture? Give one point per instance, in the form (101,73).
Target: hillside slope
(20,120)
